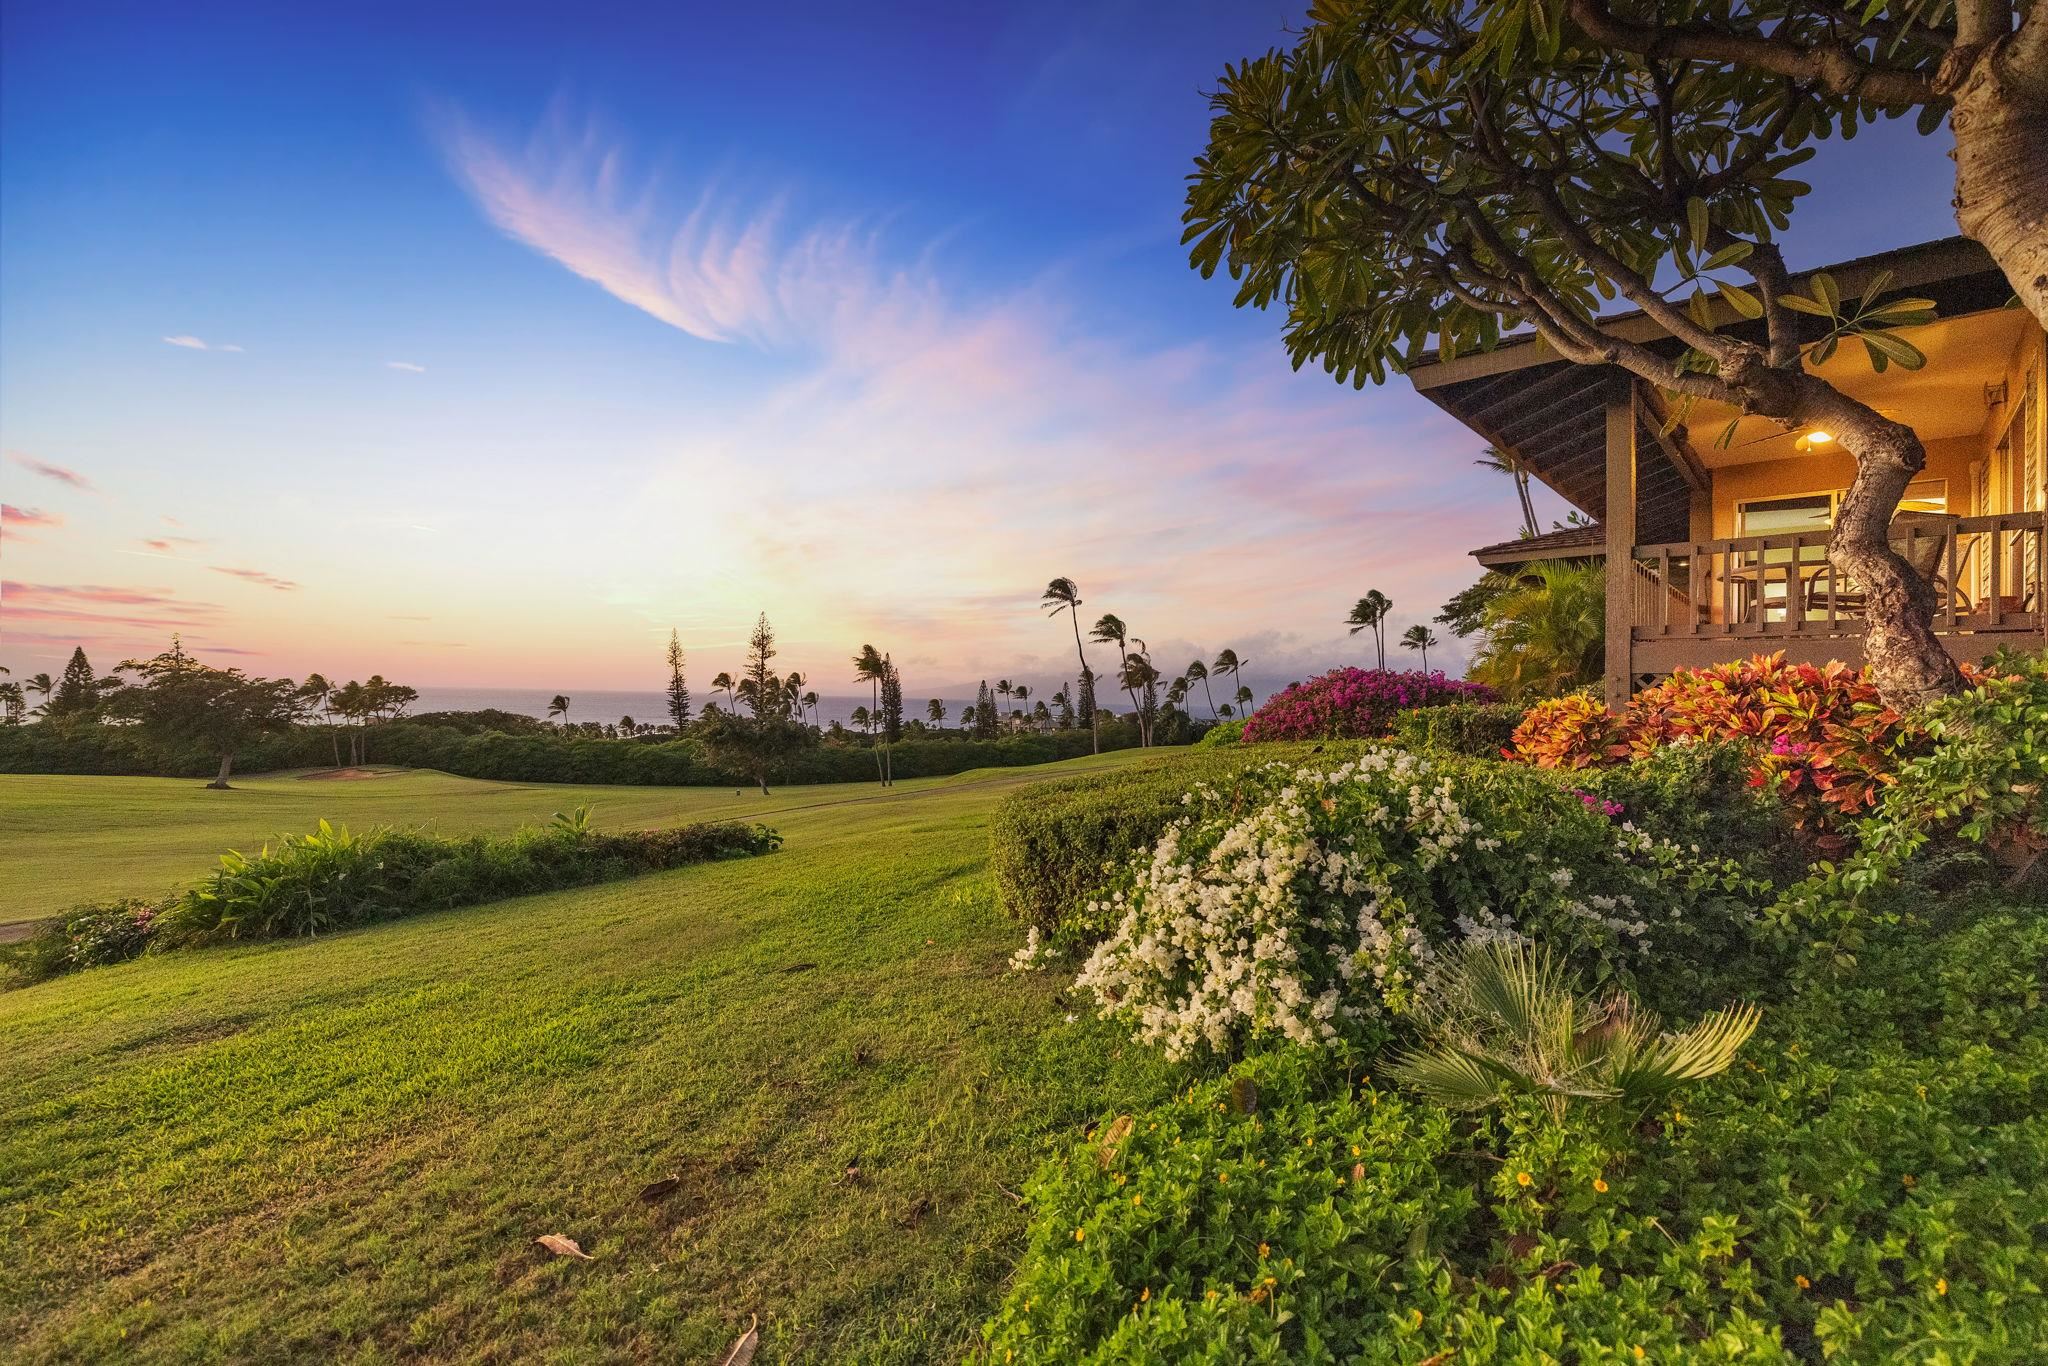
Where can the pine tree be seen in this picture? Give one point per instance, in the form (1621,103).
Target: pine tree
(761,690)
(1086,706)
(678,689)
(984,713)
(892,702)
(78,691)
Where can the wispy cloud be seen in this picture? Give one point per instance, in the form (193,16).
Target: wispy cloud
(192,343)
(256,576)
(170,545)
(407,366)
(49,471)
(22,519)
(98,606)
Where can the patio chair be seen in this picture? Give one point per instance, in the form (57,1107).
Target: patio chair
(1923,551)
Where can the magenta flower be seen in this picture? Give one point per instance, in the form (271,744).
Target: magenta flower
(1354,704)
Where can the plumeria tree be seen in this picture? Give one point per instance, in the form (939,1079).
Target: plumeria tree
(1983,63)
(1418,173)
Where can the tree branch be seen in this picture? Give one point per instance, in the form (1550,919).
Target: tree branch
(1837,66)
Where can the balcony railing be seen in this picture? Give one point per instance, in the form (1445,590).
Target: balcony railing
(1988,575)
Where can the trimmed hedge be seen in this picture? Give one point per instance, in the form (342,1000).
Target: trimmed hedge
(1054,843)
(333,880)
(1478,730)
(547,757)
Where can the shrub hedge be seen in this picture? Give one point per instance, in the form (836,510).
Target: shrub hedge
(1353,704)
(542,757)
(1477,730)
(334,879)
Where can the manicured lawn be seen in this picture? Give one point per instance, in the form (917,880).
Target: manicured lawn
(70,839)
(343,1149)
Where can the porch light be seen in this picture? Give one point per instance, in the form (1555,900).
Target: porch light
(1816,437)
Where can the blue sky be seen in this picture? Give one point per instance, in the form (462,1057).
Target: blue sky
(531,332)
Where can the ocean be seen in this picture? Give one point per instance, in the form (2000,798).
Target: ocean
(646,707)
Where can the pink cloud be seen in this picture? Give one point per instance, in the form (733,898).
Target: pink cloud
(17,519)
(256,576)
(49,471)
(14,592)
(169,545)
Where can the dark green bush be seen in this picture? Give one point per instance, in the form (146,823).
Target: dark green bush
(1869,1183)
(333,879)
(1054,843)
(1477,730)
(1701,793)
(542,756)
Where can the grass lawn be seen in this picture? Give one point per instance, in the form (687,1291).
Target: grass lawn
(69,839)
(343,1148)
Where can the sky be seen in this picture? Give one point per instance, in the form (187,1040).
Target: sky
(484,345)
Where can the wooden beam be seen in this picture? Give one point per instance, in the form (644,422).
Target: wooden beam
(1620,521)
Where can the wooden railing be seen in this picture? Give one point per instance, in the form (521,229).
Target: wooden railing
(1988,575)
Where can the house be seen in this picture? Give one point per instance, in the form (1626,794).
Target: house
(1715,540)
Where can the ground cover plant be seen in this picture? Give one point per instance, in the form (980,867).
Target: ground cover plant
(1353,704)
(260,1152)
(335,879)
(1866,1179)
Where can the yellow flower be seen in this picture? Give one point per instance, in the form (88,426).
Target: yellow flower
(1264,1249)
(1523,1178)
(1275,1280)
(1415,1318)
(1357,1151)
(1137,1200)
(1920,1091)
(1223,1178)
(1211,1294)
(1118,1178)
(1600,1184)
(1079,1234)
(1145,1294)
(1941,1285)
(1909,1181)
(1638,1350)
(1802,1282)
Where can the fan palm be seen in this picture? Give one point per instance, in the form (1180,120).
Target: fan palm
(1498,460)
(1547,635)
(1064,595)
(1419,637)
(1229,665)
(1370,613)
(1110,630)
(1198,672)
(1506,1022)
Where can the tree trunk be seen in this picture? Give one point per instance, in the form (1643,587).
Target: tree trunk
(1094,721)
(1907,660)
(227,762)
(2000,119)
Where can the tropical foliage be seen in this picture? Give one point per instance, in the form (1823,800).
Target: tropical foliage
(1543,632)
(1353,704)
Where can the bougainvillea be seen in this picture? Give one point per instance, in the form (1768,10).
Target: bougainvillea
(1821,738)
(1354,704)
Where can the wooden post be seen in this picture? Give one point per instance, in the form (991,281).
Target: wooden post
(1620,521)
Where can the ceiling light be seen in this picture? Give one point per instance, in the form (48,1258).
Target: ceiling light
(1808,440)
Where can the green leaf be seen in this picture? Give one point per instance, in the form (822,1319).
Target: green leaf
(1799,303)
(1742,301)
(1729,255)
(1696,221)
(1898,349)
(1727,437)
(1825,291)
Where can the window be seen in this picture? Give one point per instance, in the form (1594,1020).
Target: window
(1816,511)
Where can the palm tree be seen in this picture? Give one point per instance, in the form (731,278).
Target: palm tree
(1244,700)
(558,705)
(1370,613)
(1140,677)
(1023,695)
(42,684)
(1498,460)
(1419,637)
(317,691)
(810,703)
(1198,672)
(861,718)
(936,709)
(1547,635)
(11,702)
(1505,1021)
(1229,665)
(1063,595)
(723,683)
(1110,630)
(1003,689)
(868,666)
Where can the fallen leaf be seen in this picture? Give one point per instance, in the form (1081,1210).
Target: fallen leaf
(743,1351)
(563,1247)
(1244,1095)
(1357,1172)
(1521,1245)
(654,1190)
(1118,1130)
